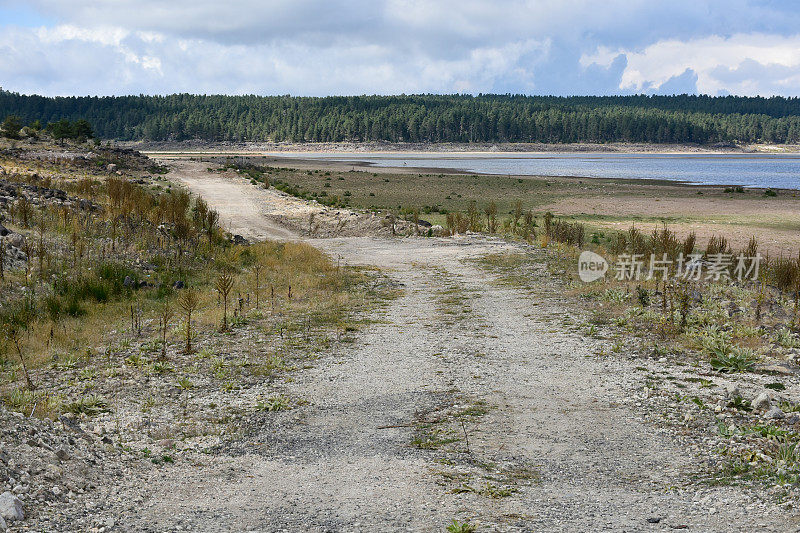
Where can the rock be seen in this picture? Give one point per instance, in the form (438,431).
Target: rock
(3,525)
(111,167)
(11,507)
(774,413)
(127,282)
(62,454)
(732,390)
(761,401)
(3,231)
(239,240)
(16,240)
(779,369)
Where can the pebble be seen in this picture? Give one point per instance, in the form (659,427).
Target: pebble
(62,454)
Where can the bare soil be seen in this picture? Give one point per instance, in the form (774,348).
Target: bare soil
(257,213)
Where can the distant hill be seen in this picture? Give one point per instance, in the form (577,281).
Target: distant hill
(424,118)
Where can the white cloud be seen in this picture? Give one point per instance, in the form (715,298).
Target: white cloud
(116,61)
(721,64)
(313,47)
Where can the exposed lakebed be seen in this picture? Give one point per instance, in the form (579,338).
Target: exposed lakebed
(747,170)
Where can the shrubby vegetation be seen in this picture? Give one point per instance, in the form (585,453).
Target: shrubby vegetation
(423,118)
(104,262)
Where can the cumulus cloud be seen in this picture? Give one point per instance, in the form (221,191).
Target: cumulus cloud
(54,61)
(745,64)
(314,47)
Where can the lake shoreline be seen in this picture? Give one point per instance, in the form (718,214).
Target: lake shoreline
(461,148)
(405,164)
(605,204)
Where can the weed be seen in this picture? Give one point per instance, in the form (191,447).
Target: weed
(786,338)
(273,404)
(428,437)
(461,527)
(91,405)
(770,432)
(740,404)
(160,367)
(643,296)
(789,407)
(737,360)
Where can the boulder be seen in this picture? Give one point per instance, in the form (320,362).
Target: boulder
(11,507)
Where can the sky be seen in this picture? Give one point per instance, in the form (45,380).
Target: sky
(319,48)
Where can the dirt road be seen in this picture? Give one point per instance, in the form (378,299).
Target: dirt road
(244,209)
(552,438)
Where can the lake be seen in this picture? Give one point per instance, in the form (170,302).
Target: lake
(747,170)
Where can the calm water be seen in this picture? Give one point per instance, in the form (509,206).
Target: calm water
(777,171)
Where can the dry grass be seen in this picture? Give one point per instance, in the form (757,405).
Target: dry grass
(84,311)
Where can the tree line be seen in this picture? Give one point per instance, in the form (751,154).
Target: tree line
(422,118)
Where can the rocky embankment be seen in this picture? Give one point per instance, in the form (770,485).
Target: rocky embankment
(51,465)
